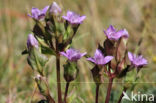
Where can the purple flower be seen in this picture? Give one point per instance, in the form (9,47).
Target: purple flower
(99,58)
(113,34)
(31,41)
(38,14)
(73,18)
(72,54)
(137,61)
(55,9)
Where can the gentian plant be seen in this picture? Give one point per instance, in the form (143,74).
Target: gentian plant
(52,35)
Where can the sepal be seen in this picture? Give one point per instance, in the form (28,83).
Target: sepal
(37,60)
(97,74)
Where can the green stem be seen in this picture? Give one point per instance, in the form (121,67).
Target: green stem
(124,90)
(109,90)
(50,99)
(58,78)
(66,91)
(97,93)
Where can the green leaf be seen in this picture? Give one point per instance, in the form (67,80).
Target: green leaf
(42,59)
(37,60)
(24,52)
(130,78)
(46,50)
(67,33)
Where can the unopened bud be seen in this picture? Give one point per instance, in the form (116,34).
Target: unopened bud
(55,9)
(70,71)
(37,60)
(97,74)
(31,41)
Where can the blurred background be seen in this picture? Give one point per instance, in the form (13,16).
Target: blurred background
(16,77)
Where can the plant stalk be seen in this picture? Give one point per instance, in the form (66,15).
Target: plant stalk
(66,91)
(97,93)
(58,72)
(124,90)
(50,99)
(109,90)
(58,78)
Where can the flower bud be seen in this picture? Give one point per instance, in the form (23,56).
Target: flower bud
(97,74)
(70,71)
(109,47)
(38,30)
(121,49)
(32,42)
(55,9)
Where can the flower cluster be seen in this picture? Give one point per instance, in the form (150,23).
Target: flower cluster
(53,33)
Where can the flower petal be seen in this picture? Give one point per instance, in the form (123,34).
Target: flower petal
(65,17)
(130,56)
(83,54)
(98,54)
(137,61)
(44,10)
(144,61)
(111,29)
(110,33)
(64,54)
(108,59)
(35,12)
(82,19)
(91,59)
(55,8)
(31,41)
(72,54)
(123,33)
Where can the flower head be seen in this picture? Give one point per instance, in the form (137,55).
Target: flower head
(31,41)
(99,59)
(73,18)
(55,9)
(72,54)
(115,35)
(137,61)
(38,14)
